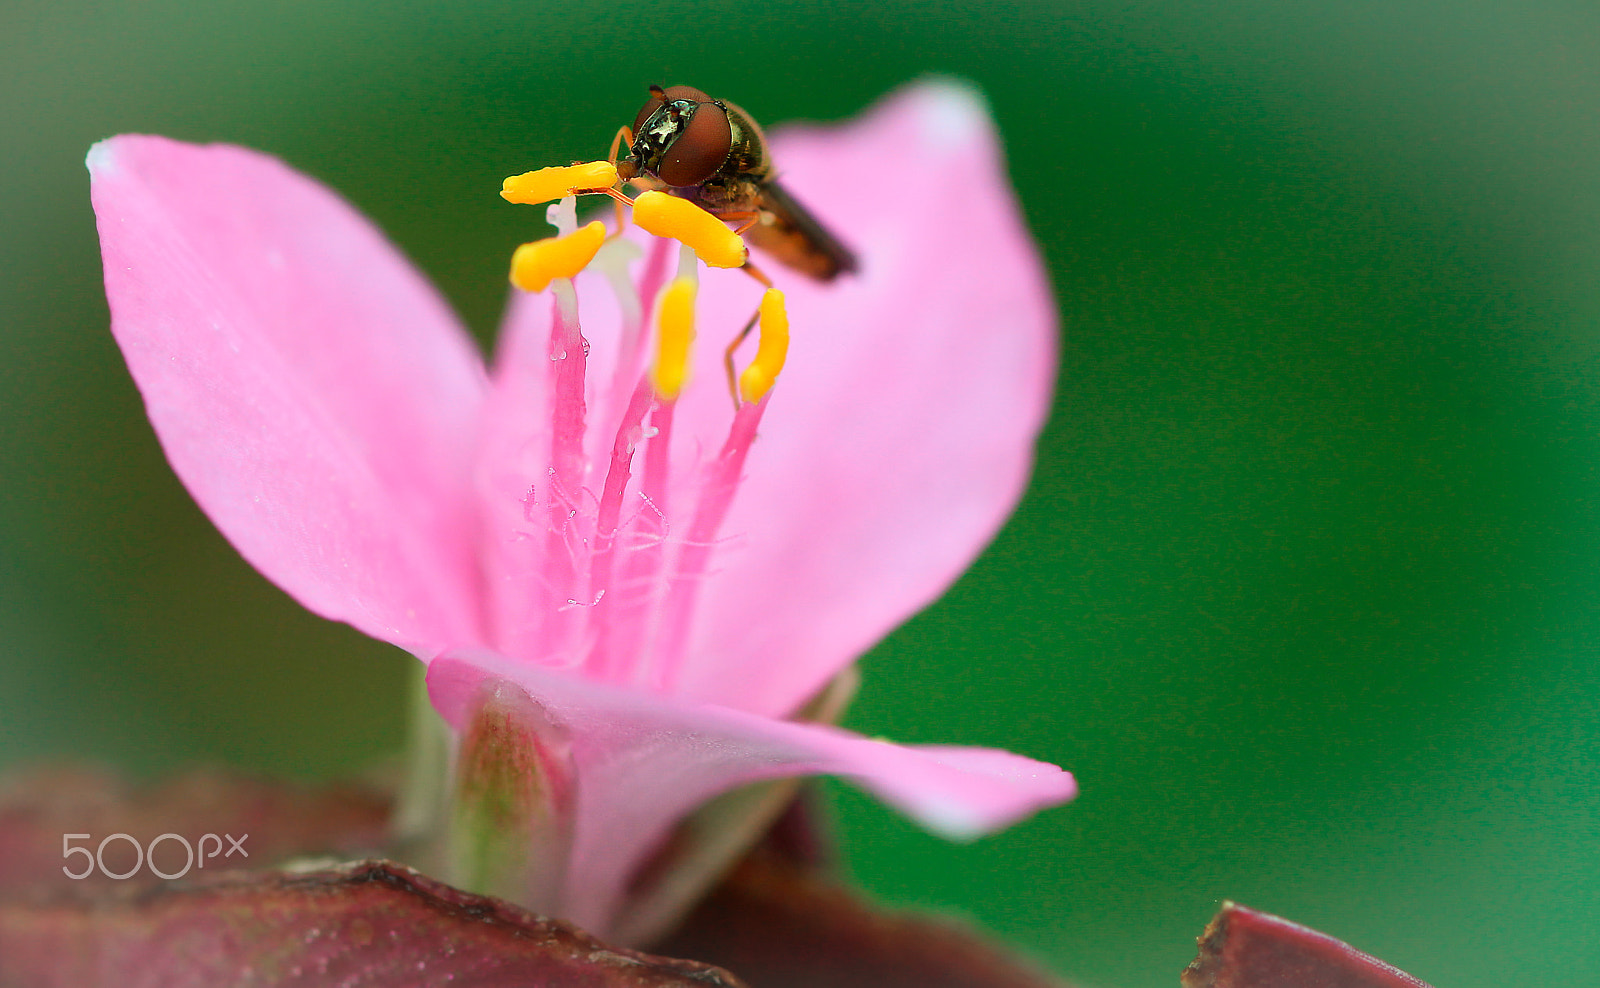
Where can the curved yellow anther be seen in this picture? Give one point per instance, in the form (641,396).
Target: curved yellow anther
(535,265)
(758,378)
(674,333)
(546,184)
(683,221)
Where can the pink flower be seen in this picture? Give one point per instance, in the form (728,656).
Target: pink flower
(665,581)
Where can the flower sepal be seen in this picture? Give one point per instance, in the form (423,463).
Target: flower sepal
(512,816)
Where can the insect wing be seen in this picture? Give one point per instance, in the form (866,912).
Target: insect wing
(794,237)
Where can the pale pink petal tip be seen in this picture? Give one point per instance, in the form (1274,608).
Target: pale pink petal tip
(950,113)
(100,158)
(999,789)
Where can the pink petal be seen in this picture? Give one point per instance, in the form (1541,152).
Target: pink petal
(901,433)
(511,470)
(643,761)
(312,392)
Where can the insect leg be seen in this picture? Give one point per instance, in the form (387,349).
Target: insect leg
(727,358)
(745,218)
(622,138)
(750,269)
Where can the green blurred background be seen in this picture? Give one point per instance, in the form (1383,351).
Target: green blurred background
(1305,590)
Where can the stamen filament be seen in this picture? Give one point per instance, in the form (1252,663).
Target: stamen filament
(563,215)
(608,521)
(654,276)
(640,588)
(568,355)
(657,472)
(716,496)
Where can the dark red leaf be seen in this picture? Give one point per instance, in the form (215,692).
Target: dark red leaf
(1246,949)
(779,924)
(360,926)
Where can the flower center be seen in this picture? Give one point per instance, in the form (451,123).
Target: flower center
(613,560)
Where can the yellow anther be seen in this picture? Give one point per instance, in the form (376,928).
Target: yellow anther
(535,265)
(758,378)
(674,333)
(546,184)
(683,221)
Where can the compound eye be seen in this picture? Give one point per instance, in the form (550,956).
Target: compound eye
(660,97)
(689,93)
(702,147)
(655,103)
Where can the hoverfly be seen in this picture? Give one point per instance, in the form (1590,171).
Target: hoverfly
(711,153)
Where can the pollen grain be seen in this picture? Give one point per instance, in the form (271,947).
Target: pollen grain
(674,334)
(681,220)
(535,265)
(545,184)
(758,378)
